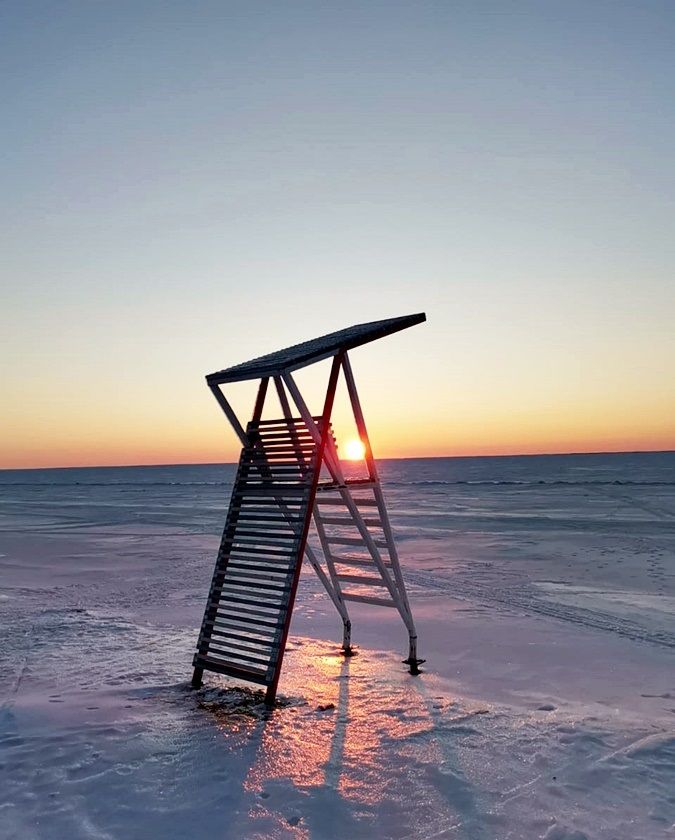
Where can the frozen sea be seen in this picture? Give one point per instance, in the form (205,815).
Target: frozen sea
(543,588)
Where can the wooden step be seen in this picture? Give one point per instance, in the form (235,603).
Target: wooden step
(345,520)
(222,666)
(339,501)
(334,540)
(366,563)
(366,599)
(233,619)
(363,580)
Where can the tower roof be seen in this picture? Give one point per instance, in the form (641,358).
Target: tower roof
(314,350)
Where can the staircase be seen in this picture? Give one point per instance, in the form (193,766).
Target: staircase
(249,605)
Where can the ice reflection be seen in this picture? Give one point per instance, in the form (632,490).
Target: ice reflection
(360,744)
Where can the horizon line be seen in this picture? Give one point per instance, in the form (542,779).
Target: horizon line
(407,458)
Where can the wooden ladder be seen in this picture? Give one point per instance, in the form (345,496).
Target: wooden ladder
(255,579)
(359,573)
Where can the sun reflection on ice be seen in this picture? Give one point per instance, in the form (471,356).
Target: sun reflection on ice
(359,739)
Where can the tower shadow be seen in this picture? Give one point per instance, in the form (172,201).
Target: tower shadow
(333,765)
(450,780)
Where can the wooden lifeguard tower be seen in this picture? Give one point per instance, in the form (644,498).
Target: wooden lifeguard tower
(289,475)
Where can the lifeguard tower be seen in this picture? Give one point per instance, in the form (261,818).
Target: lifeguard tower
(290,475)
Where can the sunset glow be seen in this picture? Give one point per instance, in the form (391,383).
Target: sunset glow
(354,450)
(135,267)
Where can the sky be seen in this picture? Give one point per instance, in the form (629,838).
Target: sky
(184,186)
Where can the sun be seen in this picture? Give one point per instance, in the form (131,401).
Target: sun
(354,449)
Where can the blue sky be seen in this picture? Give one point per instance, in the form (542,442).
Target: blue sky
(185,185)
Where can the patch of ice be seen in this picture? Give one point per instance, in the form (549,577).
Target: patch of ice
(590,596)
(559,832)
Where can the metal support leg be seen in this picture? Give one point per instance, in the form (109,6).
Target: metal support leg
(197,675)
(347,649)
(412,659)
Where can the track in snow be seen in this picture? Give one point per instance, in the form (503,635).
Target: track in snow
(525,599)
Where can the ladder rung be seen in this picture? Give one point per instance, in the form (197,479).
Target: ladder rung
(282,564)
(296,441)
(361,579)
(255,503)
(274,512)
(249,640)
(272,487)
(265,468)
(273,458)
(295,454)
(366,599)
(268,528)
(256,485)
(354,541)
(338,500)
(239,578)
(257,591)
(274,492)
(281,434)
(224,650)
(281,421)
(269,537)
(355,561)
(238,565)
(274,436)
(256,675)
(260,473)
(225,597)
(261,456)
(273,470)
(344,520)
(246,547)
(288,445)
(261,647)
(243,632)
(282,431)
(274,564)
(252,524)
(247,515)
(226,619)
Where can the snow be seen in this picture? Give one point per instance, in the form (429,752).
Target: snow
(543,595)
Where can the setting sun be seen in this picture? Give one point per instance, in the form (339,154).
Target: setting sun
(355,450)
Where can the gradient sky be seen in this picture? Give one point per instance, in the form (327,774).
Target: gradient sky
(187,185)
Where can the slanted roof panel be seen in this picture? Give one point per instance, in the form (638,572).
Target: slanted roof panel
(314,350)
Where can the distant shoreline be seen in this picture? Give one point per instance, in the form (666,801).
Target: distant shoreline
(410,458)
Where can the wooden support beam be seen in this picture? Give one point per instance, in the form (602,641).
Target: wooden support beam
(377,489)
(335,469)
(328,584)
(260,400)
(229,413)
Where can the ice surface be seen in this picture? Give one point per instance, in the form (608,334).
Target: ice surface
(543,590)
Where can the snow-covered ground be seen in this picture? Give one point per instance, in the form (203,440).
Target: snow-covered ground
(544,593)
